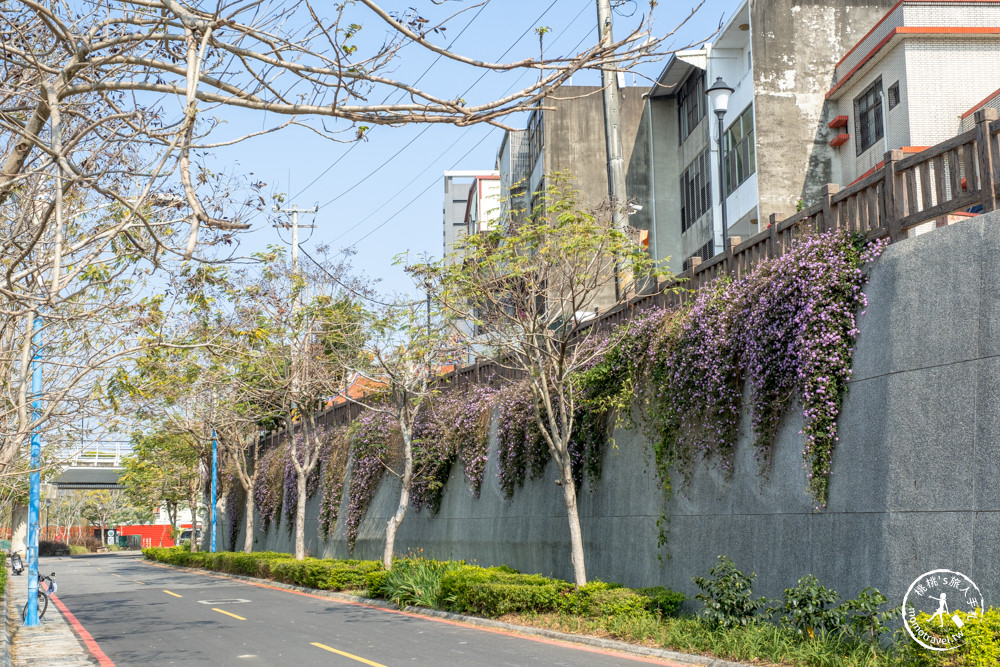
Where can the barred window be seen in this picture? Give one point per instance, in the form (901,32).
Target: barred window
(868,117)
(535,137)
(696,190)
(739,162)
(691,104)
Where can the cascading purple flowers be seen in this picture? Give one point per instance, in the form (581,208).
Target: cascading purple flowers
(786,328)
(371,434)
(455,427)
(269,486)
(235,505)
(521,450)
(333,458)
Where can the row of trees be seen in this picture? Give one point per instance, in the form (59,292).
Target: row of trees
(109,114)
(265,347)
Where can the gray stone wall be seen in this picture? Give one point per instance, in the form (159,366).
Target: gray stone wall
(914,485)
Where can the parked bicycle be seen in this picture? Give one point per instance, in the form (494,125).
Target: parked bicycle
(44,591)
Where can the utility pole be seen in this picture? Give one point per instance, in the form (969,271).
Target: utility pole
(295,210)
(612,123)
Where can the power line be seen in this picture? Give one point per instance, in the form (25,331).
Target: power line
(442,154)
(421,193)
(427,127)
(354,144)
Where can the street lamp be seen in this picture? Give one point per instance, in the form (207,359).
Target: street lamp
(48,503)
(718,99)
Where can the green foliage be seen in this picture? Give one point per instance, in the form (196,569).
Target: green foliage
(981,646)
(728,595)
(811,608)
(494,591)
(413,581)
(598,598)
(662,600)
(866,618)
(326,574)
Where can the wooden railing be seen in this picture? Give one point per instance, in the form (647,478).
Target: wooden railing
(905,192)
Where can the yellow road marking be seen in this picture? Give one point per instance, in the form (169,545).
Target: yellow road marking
(171,593)
(347,655)
(115,575)
(139,582)
(228,613)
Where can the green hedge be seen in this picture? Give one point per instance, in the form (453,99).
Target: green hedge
(451,585)
(497,591)
(326,574)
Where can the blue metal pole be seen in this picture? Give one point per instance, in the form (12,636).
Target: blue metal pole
(215,468)
(31,617)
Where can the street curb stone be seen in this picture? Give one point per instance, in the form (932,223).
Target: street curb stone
(596,642)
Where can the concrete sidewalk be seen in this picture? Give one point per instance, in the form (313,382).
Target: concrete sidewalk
(53,642)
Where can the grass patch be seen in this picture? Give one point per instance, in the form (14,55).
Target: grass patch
(757,642)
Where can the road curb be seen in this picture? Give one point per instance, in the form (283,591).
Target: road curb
(5,657)
(583,640)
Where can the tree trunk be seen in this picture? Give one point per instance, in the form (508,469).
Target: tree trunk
(300,515)
(575,534)
(194,524)
(248,524)
(404,501)
(104,537)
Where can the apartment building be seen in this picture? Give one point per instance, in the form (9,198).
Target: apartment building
(471,204)
(914,80)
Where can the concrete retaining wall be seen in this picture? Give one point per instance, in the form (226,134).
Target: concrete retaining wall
(914,484)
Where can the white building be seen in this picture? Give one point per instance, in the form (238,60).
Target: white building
(471,204)
(915,80)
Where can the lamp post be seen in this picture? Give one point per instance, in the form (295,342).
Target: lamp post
(718,99)
(48,504)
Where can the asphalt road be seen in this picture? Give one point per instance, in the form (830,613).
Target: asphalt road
(143,614)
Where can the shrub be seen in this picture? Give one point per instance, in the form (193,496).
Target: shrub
(864,616)
(492,592)
(662,600)
(415,581)
(51,548)
(598,599)
(329,574)
(89,542)
(810,608)
(727,594)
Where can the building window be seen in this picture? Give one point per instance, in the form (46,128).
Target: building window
(893,95)
(739,161)
(534,137)
(691,104)
(868,117)
(706,252)
(696,191)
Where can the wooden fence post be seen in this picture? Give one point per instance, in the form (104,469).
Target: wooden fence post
(895,195)
(829,222)
(772,229)
(987,167)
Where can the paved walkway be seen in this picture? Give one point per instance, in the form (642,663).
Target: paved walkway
(50,643)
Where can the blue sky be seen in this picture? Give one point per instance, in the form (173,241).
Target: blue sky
(384,196)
